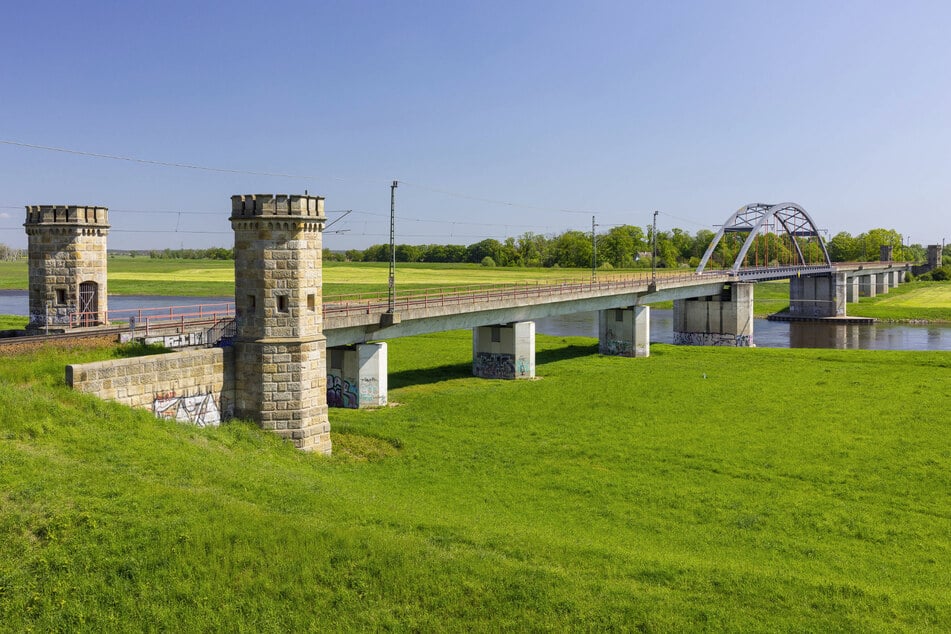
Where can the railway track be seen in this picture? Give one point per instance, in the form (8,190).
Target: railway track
(11,344)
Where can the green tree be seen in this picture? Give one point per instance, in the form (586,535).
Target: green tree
(531,248)
(620,245)
(843,247)
(570,249)
(490,247)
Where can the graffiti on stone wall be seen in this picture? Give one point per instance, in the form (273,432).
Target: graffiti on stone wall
(712,339)
(341,393)
(490,365)
(199,409)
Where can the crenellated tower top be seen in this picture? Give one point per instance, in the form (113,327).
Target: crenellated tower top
(246,206)
(67,215)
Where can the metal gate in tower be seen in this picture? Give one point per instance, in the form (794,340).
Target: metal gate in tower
(88,304)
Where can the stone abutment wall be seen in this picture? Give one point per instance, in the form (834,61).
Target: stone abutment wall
(195,386)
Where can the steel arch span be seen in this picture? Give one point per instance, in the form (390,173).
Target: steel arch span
(754,219)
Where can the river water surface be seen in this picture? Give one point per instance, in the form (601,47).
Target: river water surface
(766,334)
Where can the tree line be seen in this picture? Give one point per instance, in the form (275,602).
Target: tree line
(629,246)
(624,246)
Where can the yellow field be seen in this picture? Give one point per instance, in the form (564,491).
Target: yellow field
(176,275)
(930,295)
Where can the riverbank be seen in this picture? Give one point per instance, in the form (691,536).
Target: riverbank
(650,494)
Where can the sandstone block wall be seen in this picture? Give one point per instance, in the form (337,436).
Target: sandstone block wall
(192,385)
(67,247)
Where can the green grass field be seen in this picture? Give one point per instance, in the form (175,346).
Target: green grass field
(924,301)
(719,489)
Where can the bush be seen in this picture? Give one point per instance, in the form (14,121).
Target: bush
(606,266)
(941,274)
(487,261)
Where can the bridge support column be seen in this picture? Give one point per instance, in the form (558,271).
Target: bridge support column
(883,283)
(867,284)
(852,291)
(279,346)
(504,352)
(356,376)
(818,295)
(721,320)
(624,332)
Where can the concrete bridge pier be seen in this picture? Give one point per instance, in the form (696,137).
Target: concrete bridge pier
(357,376)
(897,278)
(624,332)
(852,290)
(818,295)
(504,351)
(883,283)
(719,320)
(867,285)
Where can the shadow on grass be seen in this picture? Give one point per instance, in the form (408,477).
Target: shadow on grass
(452,371)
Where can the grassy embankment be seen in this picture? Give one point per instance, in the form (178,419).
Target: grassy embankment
(744,490)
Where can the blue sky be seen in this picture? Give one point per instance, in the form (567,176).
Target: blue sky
(611,109)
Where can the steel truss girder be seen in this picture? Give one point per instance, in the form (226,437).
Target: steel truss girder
(755,218)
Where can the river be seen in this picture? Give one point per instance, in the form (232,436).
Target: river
(766,334)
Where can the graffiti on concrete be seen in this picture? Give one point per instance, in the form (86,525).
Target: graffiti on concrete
(523,367)
(370,391)
(199,409)
(616,348)
(491,365)
(712,339)
(341,393)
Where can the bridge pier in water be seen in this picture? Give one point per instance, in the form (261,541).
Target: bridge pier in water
(356,376)
(504,351)
(725,319)
(818,295)
(624,332)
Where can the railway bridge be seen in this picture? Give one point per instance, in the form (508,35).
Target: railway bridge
(296,352)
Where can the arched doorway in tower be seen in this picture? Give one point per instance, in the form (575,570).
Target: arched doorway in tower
(88,304)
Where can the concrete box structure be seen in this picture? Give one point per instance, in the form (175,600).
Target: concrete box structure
(818,295)
(280,349)
(624,332)
(356,376)
(67,265)
(504,352)
(719,320)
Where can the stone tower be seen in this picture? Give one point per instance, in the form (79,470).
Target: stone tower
(280,349)
(67,253)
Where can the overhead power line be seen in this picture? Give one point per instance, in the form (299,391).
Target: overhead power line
(132,159)
(207,168)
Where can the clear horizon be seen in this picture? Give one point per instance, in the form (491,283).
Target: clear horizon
(496,119)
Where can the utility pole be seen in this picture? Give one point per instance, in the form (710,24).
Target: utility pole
(654,252)
(594,250)
(391,304)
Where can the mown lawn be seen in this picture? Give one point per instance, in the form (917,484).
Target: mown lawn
(741,490)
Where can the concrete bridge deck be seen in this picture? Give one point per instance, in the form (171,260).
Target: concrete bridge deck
(357,321)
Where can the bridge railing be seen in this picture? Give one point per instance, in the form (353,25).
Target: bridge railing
(159,317)
(369,303)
